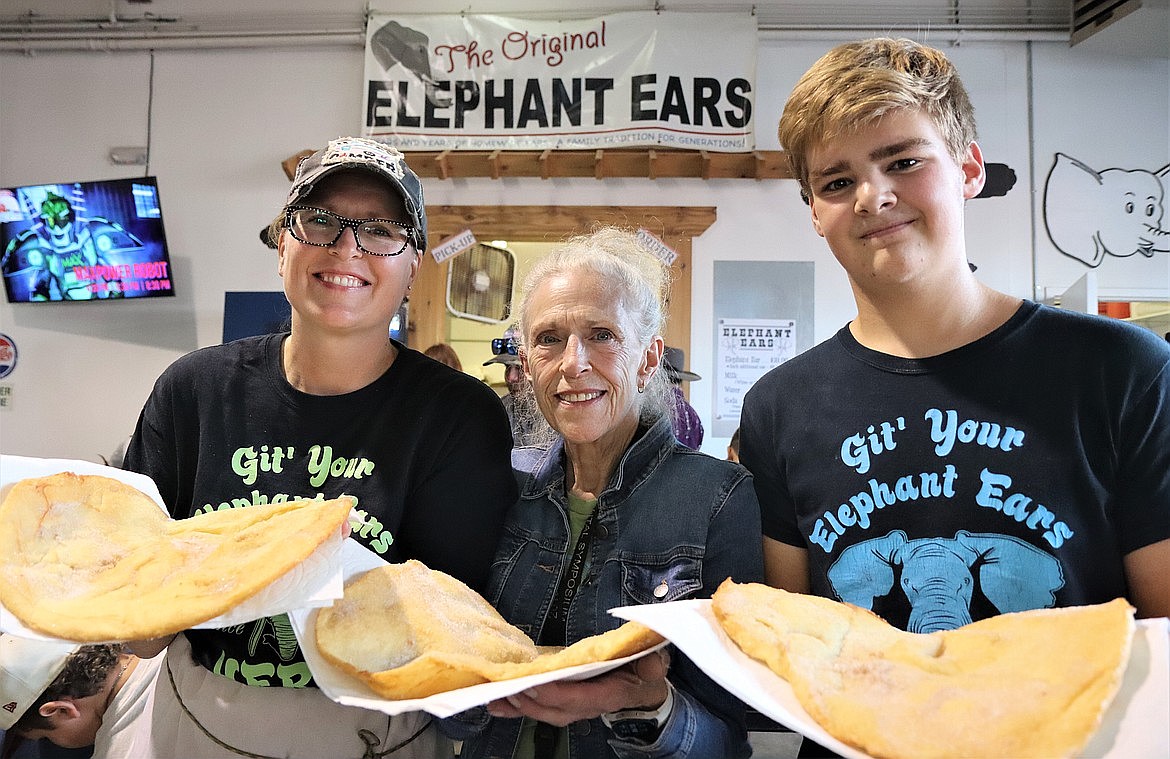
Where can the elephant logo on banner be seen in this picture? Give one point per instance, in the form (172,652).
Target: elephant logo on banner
(394,44)
(939,576)
(1118,212)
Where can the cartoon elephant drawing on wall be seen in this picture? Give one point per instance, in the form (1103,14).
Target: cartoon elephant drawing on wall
(938,575)
(1089,213)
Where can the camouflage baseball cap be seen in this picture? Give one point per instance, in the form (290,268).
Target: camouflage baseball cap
(371,155)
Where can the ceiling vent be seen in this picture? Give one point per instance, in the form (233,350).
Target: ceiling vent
(1091,16)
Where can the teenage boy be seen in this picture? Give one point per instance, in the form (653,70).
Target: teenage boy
(953,452)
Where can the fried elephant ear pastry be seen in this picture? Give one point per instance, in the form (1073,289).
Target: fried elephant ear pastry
(408,631)
(1024,684)
(91,559)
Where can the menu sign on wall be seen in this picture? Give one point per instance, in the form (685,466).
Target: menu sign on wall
(746,350)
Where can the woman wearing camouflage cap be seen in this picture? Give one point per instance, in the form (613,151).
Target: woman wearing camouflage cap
(332,407)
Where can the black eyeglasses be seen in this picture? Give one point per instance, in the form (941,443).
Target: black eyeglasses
(378,237)
(505,345)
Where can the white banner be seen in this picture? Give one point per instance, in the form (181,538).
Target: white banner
(474,82)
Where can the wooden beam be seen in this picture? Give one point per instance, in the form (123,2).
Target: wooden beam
(290,164)
(655,163)
(554,223)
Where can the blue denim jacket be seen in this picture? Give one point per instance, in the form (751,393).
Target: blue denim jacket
(668,515)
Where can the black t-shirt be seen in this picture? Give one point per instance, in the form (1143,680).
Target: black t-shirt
(1012,473)
(425,450)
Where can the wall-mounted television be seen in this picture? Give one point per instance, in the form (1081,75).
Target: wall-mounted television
(84,241)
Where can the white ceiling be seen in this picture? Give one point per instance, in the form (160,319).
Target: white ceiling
(1144,32)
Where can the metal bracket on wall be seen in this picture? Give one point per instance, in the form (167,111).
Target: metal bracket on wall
(128,156)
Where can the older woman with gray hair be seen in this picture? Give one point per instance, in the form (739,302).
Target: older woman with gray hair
(613,511)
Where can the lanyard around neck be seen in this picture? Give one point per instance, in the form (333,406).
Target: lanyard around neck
(554,632)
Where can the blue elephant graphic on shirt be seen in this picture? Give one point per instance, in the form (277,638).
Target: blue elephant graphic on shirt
(938,575)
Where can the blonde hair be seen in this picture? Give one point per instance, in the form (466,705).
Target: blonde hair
(637,280)
(274,230)
(855,84)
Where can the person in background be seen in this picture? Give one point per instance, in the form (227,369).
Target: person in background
(444,354)
(279,416)
(75,696)
(614,511)
(953,452)
(733,447)
(688,428)
(525,430)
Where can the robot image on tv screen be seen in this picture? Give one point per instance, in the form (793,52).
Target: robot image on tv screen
(84,241)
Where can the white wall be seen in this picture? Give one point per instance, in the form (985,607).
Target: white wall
(223,120)
(1099,119)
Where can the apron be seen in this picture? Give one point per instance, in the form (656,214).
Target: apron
(200,715)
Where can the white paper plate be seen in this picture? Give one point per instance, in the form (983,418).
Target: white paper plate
(345,689)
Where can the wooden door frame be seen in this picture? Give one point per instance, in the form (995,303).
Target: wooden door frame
(674,225)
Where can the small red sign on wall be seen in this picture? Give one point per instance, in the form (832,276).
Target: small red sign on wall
(7,355)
